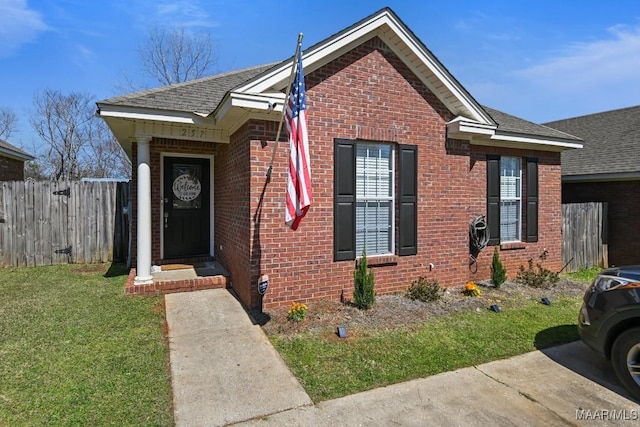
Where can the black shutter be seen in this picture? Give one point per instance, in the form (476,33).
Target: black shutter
(344,198)
(532,200)
(408,200)
(493,198)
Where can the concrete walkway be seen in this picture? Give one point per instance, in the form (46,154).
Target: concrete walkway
(223,367)
(225,371)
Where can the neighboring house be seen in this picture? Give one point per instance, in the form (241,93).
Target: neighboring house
(607,169)
(12,162)
(402,158)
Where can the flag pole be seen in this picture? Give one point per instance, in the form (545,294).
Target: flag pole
(284,106)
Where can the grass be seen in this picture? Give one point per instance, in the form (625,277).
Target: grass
(329,367)
(586,275)
(75,351)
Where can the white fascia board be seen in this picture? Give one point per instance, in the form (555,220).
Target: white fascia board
(523,142)
(154,115)
(536,141)
(603,177)
(280,76)
(15,155)
(435,67)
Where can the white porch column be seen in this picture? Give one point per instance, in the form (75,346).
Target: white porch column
(143,267)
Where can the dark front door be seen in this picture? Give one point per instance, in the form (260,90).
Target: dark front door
(187,218)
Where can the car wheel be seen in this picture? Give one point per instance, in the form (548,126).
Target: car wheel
(625,357)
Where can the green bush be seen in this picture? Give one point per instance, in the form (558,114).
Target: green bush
(424,290)
(538,277)
(498,272)
(363,293)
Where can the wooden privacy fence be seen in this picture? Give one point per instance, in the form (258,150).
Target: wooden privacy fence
(584,235)
(43,223)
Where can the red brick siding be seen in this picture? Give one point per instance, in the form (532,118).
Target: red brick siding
(366,94)
(369,94)
(234,212)
(623,200)
(11,169)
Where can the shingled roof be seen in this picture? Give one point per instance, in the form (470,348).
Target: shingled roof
(611,143)
(14,152)
(200,96)
(515,125)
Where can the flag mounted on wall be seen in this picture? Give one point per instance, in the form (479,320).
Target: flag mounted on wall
(299,196)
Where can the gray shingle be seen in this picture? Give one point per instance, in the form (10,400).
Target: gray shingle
(512,124)
(196,96)
(611,142)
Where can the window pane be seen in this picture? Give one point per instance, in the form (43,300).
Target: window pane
(374,171)
(509,221)
(510,198)
(374,198)
(373,227)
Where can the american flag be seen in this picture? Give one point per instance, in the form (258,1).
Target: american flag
(299,182)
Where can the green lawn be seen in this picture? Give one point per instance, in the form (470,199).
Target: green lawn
(328,367)
(74,350)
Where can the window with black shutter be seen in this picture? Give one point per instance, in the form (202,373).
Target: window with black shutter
(504,202)
(365,198)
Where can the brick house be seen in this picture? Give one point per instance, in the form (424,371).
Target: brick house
(607,170)
(381,109)
(12,162)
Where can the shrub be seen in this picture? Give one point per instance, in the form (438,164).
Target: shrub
(498,272)
(538,277)
(297,312)
(363,293)
(424,290)
(471,290)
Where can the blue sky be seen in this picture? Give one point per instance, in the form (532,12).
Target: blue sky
(540,60)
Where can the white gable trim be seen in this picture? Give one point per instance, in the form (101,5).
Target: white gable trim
(403,43)
(481,134)
(137,113)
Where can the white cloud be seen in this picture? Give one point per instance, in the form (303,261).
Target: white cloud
(185,13)
(582,65)
(18,25)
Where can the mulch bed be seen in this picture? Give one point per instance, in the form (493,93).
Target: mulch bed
(399,312)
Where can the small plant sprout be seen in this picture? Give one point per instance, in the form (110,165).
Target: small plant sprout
(498,272)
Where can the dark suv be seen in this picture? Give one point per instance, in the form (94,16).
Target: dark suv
(609,322)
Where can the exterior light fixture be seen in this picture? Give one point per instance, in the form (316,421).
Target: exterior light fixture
(342,332)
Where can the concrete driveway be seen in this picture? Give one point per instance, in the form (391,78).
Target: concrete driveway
(225,372)
(567,385)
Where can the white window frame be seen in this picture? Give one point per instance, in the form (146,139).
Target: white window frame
(505,198)
(377,199)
